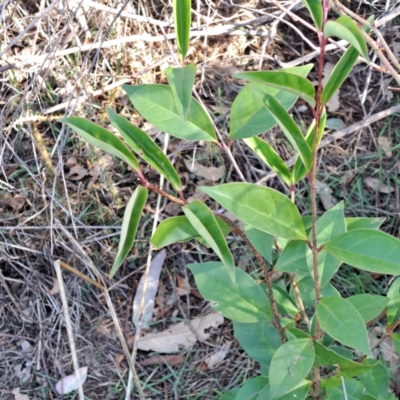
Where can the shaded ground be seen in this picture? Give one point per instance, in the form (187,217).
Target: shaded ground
(47,174)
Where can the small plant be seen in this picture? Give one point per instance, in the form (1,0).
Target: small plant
(301,334)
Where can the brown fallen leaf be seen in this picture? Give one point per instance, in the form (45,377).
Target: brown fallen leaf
(183,288)
(118,359)
(376,185)
(180,336)
(15,202)
(169,359)
(217,357)
(212,174)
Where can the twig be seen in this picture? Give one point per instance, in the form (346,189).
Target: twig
(68,326)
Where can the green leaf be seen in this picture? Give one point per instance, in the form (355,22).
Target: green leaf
(293,259)
(299,171)
(156,104)
(363,223)
(101,138)
(345,28)
(367,249)
(259,340)
(262,241)
(231,395)
(243,301)
(288,126)
(341,71)
(315,9)
(298,393)
(182,20)
(307,290)
(376,381)
(327,358)
(290,364)
(340,319)
(354,391)
(130,223)
(282,80)
(264,208)
(268,155)
(329,225)
(283,301)
(181,81)
(251,389)
(203,220)
(393,306)
(250,117)
(368,305)
(178,230)
(144,146)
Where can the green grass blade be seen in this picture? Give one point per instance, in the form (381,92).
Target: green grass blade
(101,138)
(144,146)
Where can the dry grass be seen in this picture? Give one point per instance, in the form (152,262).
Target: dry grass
(50,68)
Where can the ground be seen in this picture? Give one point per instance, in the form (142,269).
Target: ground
(61,199)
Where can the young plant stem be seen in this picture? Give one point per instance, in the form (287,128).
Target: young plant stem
(313,186)
(236,230)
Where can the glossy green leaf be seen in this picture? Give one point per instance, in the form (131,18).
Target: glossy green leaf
(354,391)
(283,300)
(376,381)
(130,223)
(101,138)
(298,393)
(341,71)
(368,305)
(307,290)
(329,225)
(293,259)
(340,319)
(203,220)
(252,388)
(181,81)
(178,230)
(327,357)
(230,395)
(288,126)
(315,9)
(182,20)
(262,207)
(290,364)
(156,104)
(393,306)
(299,171)
(367,249)
(144,146)
(269,156)
(250,117)
(262,241)
(363,223)
(243,301)
(259,340)
(345,28)
(282,80)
